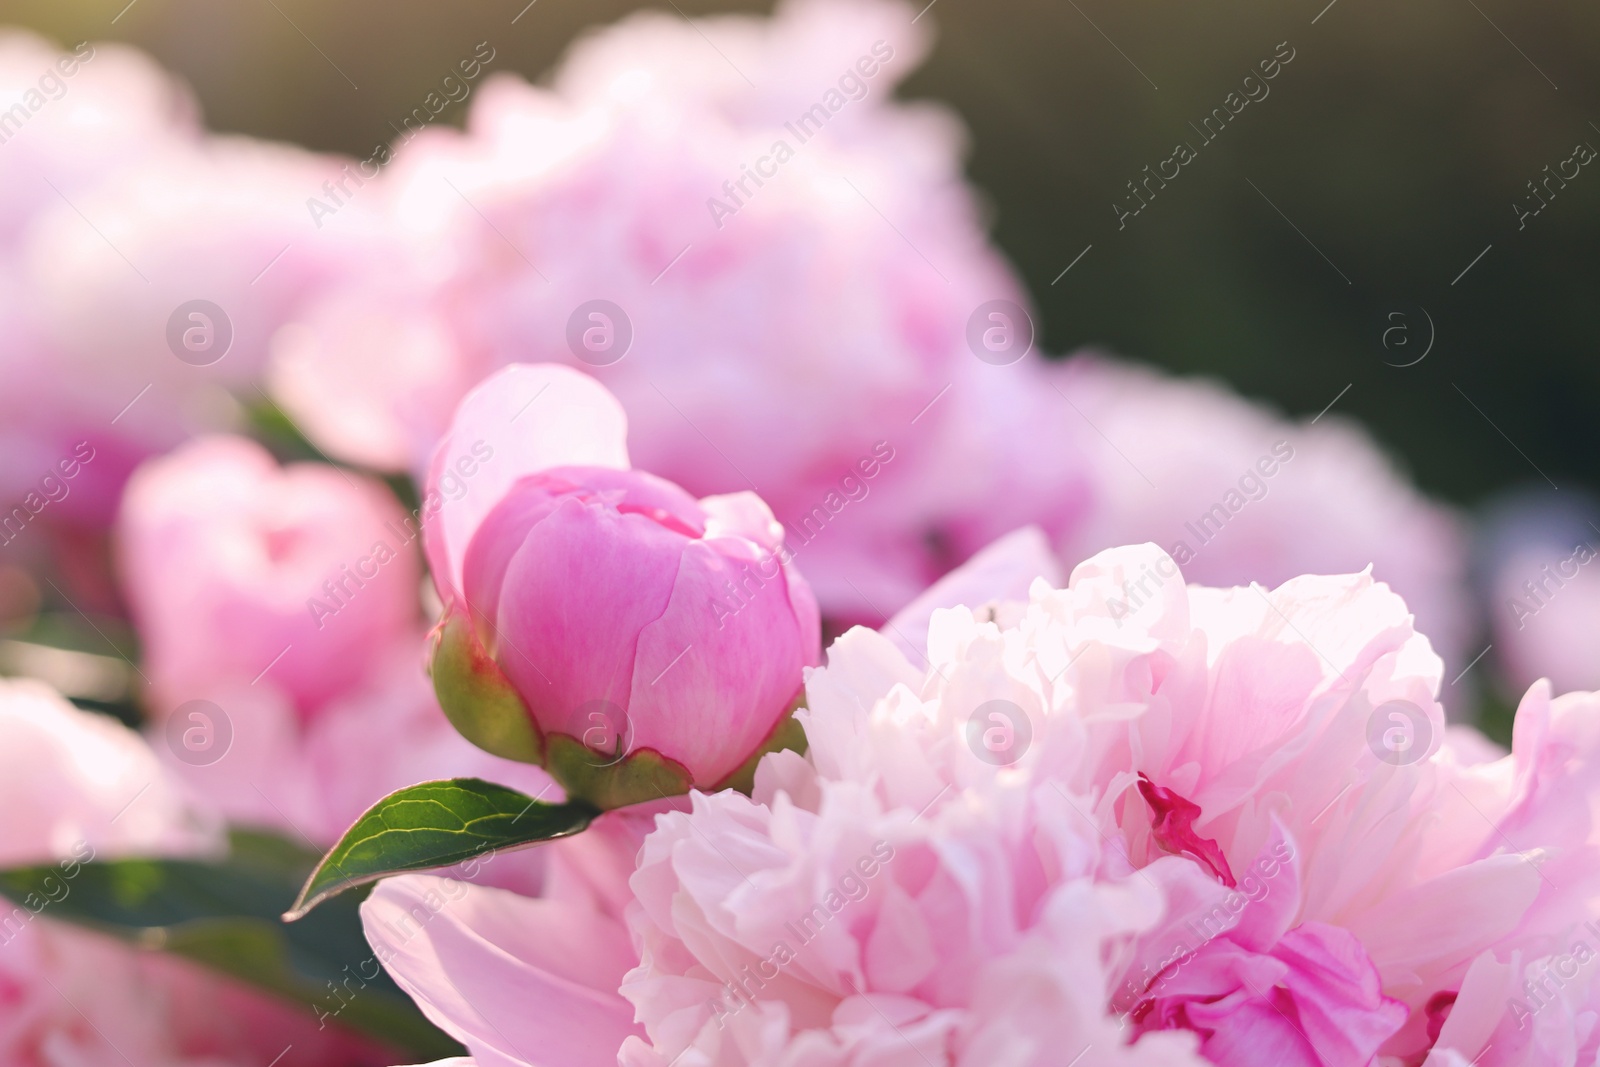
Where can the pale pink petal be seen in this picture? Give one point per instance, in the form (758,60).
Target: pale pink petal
(1003,571)
(524,419)
(520,982)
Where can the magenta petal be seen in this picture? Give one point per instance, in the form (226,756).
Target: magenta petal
(1340,1000)
(1314,1000)
(1172,822)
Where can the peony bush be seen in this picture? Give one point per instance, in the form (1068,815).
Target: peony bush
(627,589)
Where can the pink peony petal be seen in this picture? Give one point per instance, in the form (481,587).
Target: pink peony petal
(550,995)
(522,420)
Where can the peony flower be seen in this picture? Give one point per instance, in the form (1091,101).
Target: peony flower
(1121,820)
(599,620)
(238,570)
(820,921)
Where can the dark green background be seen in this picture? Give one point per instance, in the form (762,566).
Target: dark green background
(1397,141)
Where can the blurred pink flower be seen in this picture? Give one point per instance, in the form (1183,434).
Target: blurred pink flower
(777,347)
(1232,490)
(71,997)
(797,345)
(78,787)
(610,599)
(721,376)
(1549,632)
(93,108)
(1099,452)
(68,779)
(120,215)
(283,601)
(239,570)
(311,780)
(1537,553)
(1007,453)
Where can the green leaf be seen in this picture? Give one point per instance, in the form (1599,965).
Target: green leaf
(436,824)
(225,915)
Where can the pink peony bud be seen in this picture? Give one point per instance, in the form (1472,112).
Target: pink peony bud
(240,572)
(599,620)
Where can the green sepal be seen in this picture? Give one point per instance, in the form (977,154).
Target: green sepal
(477,697)
(608,782)
(788,734)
